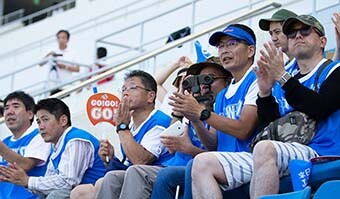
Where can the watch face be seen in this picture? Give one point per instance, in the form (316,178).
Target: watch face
(205,114)
(122,126)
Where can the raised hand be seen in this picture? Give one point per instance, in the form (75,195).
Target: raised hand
(123,113)
(187,105)
(270,68)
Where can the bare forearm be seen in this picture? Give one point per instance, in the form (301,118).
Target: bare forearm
(135,152)
(193,151)
(69,67)
(241,128)
(164,74)
(208,138)
(11,156)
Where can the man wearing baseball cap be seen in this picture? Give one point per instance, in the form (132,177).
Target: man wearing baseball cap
(234,117)
(274,26)
(269,160)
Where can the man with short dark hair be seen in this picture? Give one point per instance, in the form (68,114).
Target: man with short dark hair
(138,127)
(74,159)
(25,147)
(60,72)
(274,26)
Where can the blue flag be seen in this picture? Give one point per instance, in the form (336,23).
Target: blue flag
(201,53)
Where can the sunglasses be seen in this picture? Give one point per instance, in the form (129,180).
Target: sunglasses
(305,31)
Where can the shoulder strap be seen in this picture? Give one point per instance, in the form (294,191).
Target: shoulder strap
(322,67)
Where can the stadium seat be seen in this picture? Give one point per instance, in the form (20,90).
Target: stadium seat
(328,190)
(302,194)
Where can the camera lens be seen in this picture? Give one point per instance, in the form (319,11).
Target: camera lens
(206,79)
(186,84)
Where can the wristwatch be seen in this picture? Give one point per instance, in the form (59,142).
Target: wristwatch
(122,127)
(284,78)
(205,114)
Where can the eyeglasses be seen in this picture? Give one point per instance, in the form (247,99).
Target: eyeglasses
(230,44)
(123,89)
(305,31)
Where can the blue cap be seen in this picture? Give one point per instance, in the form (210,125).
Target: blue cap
(232,31)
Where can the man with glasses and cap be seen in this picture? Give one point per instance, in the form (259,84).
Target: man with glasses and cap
(269,160)
(235,111)
(306,42)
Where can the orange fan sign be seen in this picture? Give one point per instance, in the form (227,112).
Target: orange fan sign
(101,107)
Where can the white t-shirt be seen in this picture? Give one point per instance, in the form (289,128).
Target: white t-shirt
(251,95)
(37,148)
(59,75)
(151,140)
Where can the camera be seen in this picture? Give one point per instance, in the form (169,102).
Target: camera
(193,84)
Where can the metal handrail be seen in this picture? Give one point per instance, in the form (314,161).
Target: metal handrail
(251,13)
(140,48)
(30,17)
(4,18)
(50,38)
(42,62)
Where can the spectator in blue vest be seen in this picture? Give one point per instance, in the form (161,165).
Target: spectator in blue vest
(74,159)
(274,26)
(139,179)
(234,120)
(138,127)
(306,42)
(25,147)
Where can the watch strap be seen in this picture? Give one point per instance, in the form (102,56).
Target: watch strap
(205,114)
(284,78)
(122,127)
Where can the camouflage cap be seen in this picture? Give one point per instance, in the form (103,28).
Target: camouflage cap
(308,20)
(279,16)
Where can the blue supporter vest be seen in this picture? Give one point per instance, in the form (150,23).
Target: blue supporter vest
(292,67)
(9,190)
(181,159)
(231,108)
(92,173)
(327,137)
(157,119)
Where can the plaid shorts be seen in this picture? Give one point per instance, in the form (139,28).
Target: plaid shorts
(238,166)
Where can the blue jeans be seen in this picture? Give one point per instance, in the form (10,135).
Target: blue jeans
(166,182)
(188,188)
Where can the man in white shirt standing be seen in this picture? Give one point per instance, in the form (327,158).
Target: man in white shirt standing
(60,72)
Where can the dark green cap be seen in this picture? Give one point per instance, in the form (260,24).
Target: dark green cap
(279,16)
(308,20)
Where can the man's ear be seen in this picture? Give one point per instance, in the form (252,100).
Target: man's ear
(151,96)
(63,120)
(251,51)
(30,114)
(323,40)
